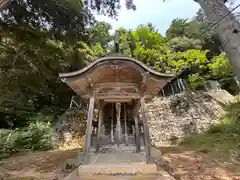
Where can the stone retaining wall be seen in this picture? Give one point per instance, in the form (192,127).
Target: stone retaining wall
(171,118)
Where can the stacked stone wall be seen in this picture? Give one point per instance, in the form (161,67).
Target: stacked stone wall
(171,118)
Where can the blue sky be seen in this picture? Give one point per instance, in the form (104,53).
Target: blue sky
(157,12)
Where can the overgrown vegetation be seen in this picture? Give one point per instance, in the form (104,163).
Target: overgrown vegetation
(223,137)
(36,136)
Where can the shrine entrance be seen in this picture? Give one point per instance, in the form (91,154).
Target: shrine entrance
(117,87)
(126,123)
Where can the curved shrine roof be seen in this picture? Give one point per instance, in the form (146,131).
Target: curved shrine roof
(108,58)
(112,74)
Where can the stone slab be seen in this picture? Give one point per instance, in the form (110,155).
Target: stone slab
(152,177)
(161,175)
(118,169)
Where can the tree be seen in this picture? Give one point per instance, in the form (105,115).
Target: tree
(227,29)
(3,4)
(184,43)
(100,33)
(147,36)
(177,28)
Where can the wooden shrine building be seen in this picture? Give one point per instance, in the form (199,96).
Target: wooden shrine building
(118,88)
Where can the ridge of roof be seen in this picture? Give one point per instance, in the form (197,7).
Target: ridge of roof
(119,57)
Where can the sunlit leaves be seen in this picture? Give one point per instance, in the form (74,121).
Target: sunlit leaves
(220,66)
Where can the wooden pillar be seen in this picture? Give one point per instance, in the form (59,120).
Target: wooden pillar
(134,131)
(137,132)
(100,119)
(163,93)
(118,108)
(182,84)
(172,89)
(145,131)
(87,142)
(112,139)
(125,124)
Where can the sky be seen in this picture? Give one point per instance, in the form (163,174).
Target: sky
(159,13)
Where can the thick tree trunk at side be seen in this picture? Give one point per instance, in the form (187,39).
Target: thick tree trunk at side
(228,29)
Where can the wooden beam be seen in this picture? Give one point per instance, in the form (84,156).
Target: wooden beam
(179,85)
(182,84)
(145,77)
(117,95)
(117,72)
(118,108)
(100,119)
(125,124)
(137,132)
(112,138)
(145,131)
(114,85)
(87,142)
(172,89)
(118,100)
(90,84)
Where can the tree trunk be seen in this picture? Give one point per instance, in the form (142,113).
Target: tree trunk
(3,4)
(228,29)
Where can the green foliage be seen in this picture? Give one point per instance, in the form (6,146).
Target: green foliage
(100,34)
(196,80)
(36,136)
(220,66)
(147,36)
(29,73)
(184,43)
(185,46)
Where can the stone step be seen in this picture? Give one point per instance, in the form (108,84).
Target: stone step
(160,175)
(106,140)
(118,169)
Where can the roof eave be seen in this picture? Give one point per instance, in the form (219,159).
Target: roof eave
(89,66)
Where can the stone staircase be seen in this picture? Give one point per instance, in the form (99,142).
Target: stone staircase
(118,163)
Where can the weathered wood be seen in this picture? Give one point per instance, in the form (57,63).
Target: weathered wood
(163,92)
(100,119)
(134,131)
(145,77)
(179,85)
(182,85)
(112,139)
(137,131)
(99,86)
(145,131)
(125,125)
(118,98)
(120,95)
(118,108)
(117,73)
(172,89)
(87,142)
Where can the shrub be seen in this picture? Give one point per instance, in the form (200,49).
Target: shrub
(37,136)
(215,129)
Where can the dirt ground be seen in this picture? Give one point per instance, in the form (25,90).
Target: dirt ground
(182,164)
(49,165)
